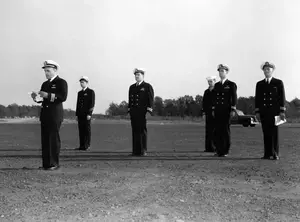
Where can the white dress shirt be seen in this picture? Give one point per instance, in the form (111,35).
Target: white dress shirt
(268,80)
(139,83)
(53,78)
(222,81)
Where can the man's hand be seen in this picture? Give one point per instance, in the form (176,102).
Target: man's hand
(257,116)
(34,95)
(150,110)
(204,117)
(88,117)
(232,113)
(43,94)
(282,116)
(213,113)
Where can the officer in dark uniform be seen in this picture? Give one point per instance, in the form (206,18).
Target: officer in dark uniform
(224,105)
(54,92)
(84,110)
(269,102)
(140,102)
(206,112)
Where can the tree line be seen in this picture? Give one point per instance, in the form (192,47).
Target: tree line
(22,111)
(191,106)
(182,107)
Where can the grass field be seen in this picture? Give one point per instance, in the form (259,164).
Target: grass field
(176,182)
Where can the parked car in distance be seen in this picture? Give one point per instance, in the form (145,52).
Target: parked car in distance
(239,118)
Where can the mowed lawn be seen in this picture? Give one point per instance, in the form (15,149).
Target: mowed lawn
(176,182)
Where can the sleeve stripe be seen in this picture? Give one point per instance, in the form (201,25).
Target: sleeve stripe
(52,97)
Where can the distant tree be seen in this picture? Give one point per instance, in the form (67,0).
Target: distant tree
(112,109)
(2,111)
(198,99)
(123,108)
(13,110)
(170,108)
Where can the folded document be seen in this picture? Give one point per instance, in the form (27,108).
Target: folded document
(279,121)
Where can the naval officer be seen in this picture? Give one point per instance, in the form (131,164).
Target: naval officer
(224,106)
(140,101)
(206,113)
(84,110)
(54,92)
(270,102)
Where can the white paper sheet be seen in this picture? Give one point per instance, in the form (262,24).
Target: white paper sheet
(279,121)
(37,98)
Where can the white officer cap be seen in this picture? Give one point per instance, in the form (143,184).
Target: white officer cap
(223,66)
(84,78)
(50,64)
(139,70)
(267,64)
(211,78)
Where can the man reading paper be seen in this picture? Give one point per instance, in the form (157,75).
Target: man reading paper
(54,92)
(269,103)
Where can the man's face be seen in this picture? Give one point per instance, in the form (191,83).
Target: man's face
(139,77)
(49,72)
(223,73)
(83,84)
(268,71)
(211,82)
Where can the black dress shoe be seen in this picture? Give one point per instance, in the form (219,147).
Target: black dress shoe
(216,154)
(144,154)
(53,168)
(42,168)
(276,157)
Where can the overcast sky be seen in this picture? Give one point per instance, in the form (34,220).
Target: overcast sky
(178,42)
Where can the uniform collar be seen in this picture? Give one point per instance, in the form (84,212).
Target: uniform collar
(53,78)
(222,81)
(268,80)
(84,89)
(138,84)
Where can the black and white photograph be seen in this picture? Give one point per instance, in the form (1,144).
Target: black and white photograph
(149,111)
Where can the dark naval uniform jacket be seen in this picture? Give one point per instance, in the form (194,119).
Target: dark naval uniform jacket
(207,103)
(140,102)
(269,102)
(51,117)
(141,98)
(224,102)
(270,97)
(85,102)
(225,97)
(52,107)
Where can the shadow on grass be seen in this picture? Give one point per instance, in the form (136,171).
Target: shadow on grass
(22,168)
(125,156)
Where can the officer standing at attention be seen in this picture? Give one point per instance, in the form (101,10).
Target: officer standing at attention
(206,112)
(269,102)
(54,92)
(224,106)
(140,101)
(84,110)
